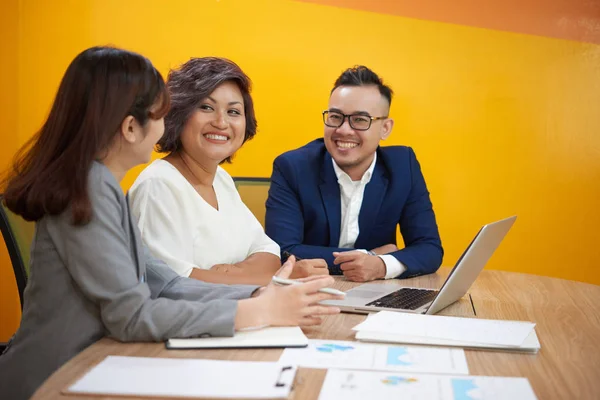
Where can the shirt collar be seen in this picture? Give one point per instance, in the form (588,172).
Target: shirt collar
(366,178)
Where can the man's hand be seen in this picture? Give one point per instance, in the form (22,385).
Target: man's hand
(360,267)
(309,267)
(385,249)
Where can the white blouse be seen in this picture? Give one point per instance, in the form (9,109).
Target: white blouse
(186,232)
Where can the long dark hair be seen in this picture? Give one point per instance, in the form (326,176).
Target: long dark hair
(193,82)
(101,87)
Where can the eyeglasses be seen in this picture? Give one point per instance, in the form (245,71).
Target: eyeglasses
(359,122)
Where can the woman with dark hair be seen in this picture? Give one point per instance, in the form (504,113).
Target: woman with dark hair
(188,209)
(90,275)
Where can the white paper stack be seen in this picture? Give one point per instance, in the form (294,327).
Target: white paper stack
(394,327)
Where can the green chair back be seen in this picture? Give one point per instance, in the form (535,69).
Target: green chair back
(18,236)
(254,193)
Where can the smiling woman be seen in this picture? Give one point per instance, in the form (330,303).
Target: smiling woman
(188,209)
(193,90)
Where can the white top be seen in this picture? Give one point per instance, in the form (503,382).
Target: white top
(352,193)
(186,232)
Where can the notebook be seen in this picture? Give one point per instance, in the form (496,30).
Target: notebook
(186,378)
(271,337)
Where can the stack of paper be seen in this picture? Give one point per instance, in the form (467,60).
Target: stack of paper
(359,385)
(190,378)
(388,326)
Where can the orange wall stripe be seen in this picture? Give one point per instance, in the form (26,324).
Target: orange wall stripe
(577,20)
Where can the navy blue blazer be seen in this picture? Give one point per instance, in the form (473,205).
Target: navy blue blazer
(304,208)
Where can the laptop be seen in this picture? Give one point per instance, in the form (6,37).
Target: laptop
(392,296)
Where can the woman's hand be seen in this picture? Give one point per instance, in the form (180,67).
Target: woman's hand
(291,305)
(309,267)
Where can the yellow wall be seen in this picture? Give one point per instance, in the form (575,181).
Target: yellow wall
(10,311)
(503,123)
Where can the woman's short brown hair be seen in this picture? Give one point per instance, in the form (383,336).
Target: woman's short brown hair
(193,82)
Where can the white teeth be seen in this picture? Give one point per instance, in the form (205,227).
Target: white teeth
(346,145)
(216,137)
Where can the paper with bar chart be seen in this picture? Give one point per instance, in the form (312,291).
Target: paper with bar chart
(375,385)
(356,355)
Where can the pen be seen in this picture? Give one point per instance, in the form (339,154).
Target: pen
(283,281)
(287,255)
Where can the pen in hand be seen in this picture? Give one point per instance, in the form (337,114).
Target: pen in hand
(283,281)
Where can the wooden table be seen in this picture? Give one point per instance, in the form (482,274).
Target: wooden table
(567,315)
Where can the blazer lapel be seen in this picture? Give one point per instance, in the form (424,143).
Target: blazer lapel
(330,193)
(372,200)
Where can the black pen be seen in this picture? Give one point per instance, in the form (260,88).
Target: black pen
(287,254)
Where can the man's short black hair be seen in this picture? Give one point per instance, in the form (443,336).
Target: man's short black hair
(359,75)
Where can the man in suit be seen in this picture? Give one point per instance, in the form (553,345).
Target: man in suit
(340,198)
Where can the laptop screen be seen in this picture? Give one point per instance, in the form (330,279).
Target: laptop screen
(457,264)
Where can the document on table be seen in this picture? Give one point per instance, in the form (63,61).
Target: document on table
(505,333)
(190,378)
(291,336)
(530,345)
(360,385)
(356,355)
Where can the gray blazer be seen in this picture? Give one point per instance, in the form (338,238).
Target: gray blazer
(97,280)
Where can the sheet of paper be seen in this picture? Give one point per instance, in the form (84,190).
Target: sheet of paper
(360,385)
(355,355)
(191,378)
(265,337)
(530,345)
(507,333)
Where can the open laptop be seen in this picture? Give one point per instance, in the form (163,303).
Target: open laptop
(391,296)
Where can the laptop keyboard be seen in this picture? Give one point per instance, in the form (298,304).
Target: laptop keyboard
(406,298)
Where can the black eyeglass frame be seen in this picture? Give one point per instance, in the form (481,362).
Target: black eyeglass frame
(344,116)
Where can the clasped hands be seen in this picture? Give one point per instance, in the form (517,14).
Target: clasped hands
(358,266)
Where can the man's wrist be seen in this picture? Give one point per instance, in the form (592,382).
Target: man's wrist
(393,267)
(383,268)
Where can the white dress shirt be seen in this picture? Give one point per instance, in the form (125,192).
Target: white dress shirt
(182,229)
(352,193)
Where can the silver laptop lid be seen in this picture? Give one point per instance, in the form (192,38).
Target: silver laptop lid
(470,263)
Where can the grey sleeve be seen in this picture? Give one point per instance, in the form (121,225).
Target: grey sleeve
(164,282)
(98,257)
